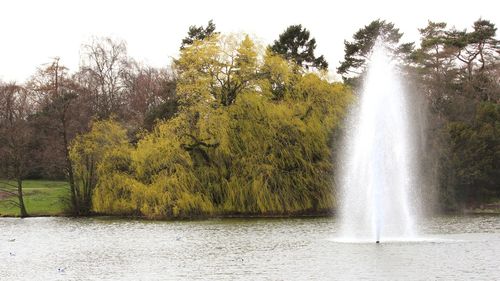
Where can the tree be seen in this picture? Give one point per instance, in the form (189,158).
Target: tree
(433,53)
(487,46)
(16,138)
(104,67)
(216,69)
(475,155)
(86,154)
(435,62)
(151,96)
(294,45)
(246,66)
(279,76)
(358,50)
(196,68)
(474,49)
(477,56)
(198,33)
(238,68)
(63,112)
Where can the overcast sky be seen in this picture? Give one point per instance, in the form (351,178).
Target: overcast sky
(34,31)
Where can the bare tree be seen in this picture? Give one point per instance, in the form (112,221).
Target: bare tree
(104,65)
(149,92)
(16,138)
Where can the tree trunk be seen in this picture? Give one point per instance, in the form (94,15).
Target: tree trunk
(69,166)
(22,208)
(74,200)
(75,206)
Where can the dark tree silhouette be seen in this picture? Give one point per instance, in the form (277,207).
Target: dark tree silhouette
(294,44)
(198,33)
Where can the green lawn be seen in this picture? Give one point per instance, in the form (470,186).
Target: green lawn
(41,198)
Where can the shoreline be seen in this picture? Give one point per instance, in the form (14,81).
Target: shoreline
(199,217)
(241,216)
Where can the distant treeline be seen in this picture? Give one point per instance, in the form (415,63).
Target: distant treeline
(235,128)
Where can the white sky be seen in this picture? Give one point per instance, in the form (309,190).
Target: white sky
(34,31)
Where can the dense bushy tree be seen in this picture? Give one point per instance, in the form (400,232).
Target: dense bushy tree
(88,154)
(474,163)
(295,44)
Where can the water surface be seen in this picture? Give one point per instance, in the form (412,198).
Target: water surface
(451,248)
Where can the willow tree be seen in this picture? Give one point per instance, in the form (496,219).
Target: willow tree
(88,153)
(281,152)
(237,145)
(259,156)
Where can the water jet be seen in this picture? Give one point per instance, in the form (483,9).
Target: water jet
(378,160)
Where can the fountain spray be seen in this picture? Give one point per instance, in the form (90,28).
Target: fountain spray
(378,158)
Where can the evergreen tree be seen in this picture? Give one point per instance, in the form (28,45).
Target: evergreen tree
(358,50)
(198,33)
(294,44)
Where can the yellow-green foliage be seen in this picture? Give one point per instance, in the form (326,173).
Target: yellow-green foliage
(166,170)
(279,76)
(155,179)
(104,149)
(250,138)
(281,159)
(197,68)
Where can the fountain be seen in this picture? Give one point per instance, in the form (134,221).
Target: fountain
(378,161)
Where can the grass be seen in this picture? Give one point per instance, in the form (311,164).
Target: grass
(41,197)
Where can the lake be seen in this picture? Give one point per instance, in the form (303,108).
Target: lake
(449,248)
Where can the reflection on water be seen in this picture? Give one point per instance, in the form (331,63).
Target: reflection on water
(453,248)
